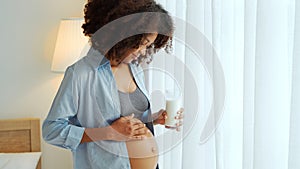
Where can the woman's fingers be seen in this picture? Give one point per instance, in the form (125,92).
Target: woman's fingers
(179,117)
(164,115)
(179,124)
(140,131)
(128,128)
(179,114)
(138,137)
(160,117)
(138,126)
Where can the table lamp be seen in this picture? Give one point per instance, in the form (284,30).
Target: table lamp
(70,44)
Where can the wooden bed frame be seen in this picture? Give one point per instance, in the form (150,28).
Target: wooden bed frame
(20,135)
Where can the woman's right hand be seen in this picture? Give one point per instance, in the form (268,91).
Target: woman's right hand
(128,128)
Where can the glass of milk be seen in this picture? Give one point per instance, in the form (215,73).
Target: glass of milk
(173,105)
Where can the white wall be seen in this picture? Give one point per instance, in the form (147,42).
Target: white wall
(27,87)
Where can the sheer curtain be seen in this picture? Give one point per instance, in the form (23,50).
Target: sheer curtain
(258,45)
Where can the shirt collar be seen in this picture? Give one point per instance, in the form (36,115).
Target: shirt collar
(97,60)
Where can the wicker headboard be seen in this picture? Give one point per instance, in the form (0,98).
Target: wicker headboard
(20,135)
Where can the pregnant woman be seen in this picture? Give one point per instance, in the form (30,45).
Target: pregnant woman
(101,111)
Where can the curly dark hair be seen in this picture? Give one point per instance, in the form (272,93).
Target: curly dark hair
(116,37)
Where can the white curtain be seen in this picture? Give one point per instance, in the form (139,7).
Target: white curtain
(258,45)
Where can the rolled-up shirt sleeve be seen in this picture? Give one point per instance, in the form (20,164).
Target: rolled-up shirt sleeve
(57,128)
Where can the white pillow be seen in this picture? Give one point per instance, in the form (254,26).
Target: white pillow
(19,160)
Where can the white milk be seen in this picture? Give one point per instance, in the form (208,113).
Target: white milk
(172,107)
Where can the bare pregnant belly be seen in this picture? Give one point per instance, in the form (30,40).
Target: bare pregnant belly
(143,154)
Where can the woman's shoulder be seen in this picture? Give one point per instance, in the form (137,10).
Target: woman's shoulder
(88,64)
(80,68)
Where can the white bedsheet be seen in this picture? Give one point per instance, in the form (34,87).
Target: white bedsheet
(19,160)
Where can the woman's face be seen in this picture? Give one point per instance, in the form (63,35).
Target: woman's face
(146,42)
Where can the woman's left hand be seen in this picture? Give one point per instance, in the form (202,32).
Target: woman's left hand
(161,116)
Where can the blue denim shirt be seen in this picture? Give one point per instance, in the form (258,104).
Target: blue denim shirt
(88,98)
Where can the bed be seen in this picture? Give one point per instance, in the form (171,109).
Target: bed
(20,139)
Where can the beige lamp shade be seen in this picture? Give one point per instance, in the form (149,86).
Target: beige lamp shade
(69,44)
